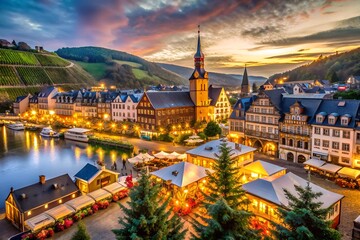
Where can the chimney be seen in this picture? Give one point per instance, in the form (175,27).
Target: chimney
(237,146)
(42,179)
(11,189)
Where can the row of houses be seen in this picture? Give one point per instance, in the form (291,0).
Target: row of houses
(109,105)
(297,127)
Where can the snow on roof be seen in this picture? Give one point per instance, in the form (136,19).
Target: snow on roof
(264,168)
(271,189)
(210,149)
(182,174)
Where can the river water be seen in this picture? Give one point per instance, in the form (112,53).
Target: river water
(24,155)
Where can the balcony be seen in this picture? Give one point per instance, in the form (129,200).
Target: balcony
(261,134)
(283,146)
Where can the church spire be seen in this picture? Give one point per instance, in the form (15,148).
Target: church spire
(199,71)
(245,88)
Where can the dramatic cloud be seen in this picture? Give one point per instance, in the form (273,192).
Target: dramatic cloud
(233,31)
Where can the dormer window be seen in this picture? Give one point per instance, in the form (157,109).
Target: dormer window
(331,120)
(344,121)
(319,118)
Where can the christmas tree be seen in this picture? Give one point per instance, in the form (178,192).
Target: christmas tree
(225,203)
(147,216)
(305,218)
(81,233)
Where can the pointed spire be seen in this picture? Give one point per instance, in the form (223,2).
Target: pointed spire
(245,80)
(198,53)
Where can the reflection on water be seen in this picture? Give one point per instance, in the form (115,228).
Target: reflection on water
(25,155)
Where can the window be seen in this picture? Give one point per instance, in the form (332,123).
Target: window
(336,133)
(270,130)
(346,134)
(263,119)
(317,130)
(345,160)
(331,120)
(335,145)
(346,147)
(344,121)
(325,143)
(299,144)
(317,142)
(319,119)
(326,132)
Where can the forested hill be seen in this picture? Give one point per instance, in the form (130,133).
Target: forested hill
(336,68)
(120,68)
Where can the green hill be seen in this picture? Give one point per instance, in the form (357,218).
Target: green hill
(120,68)
(336,67)
(23,72)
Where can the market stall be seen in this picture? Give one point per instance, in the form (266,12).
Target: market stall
(329,170)
(161,155)
(60,211)
(351,173)
(99,195)
(114,188)
(38,222)
(313,164)
(261,169)
(80,202)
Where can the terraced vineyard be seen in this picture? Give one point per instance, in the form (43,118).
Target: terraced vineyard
(8,76)
(8,56)
(48,60)
(33,76)
(41,69)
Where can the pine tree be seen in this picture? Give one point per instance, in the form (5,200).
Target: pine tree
(334,78)
(226,203)
(81,233)
(254,87)
(305,218)
(147,217)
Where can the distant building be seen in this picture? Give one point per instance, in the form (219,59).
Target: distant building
(123,107)
(21,104)
(245,87)
(6,43)
(65,103)
(46,102)
(24,203)
(267,85)
(237,120)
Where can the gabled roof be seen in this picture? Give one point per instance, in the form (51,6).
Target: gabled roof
(87,172)
(242,104)
(310,105)
(264,168)
(271,189)
(245,79)
(275,96)
(211,149)
(160,100)
(39,194)
(45,92)
(182,174)
(19,99)
(350,107)
(214,94)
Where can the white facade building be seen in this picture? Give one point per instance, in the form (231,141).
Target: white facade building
(123,107)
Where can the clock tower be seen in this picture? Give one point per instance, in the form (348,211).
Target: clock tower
(199,86)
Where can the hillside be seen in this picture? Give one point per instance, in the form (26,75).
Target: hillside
(230,80)
(336,67)
(23,72)
(120,68)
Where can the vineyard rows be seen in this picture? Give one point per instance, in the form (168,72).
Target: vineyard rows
(47,60)
(8,76)
(13,93)
(33,76)
(17,57)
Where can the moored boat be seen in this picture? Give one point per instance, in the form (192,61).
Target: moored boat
(77,134)
(49,132)
(16,126)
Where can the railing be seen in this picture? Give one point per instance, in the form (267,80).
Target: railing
(254,121)
(294,148)
(261,134)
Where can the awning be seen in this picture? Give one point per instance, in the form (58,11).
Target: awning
(80,202)
(182,156)
(161,155)
(331,168)
(114,188)
(349,172)
(39,222)
(60,211)
(99,194)
(173,155)
(320,153)
(141,158)
(314,162)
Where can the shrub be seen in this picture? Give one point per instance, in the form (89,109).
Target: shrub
(180,139)
(202,136)
(165,137)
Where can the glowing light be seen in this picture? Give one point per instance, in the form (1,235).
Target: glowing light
(60,201)
(124,127)
(46,206)
(33,112)
(51,112)
(106,116)
(113,125)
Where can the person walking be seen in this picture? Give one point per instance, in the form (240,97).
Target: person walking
(115,166)
(124,164)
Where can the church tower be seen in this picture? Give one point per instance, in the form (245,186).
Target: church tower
(199,85)
(245,88)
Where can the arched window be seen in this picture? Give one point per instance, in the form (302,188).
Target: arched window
(291,142)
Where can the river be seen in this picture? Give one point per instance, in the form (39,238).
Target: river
(24,155)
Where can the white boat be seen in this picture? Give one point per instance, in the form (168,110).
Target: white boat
(48,132)
(77,134)
(16,126)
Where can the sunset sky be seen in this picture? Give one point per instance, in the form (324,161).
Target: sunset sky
(270,36)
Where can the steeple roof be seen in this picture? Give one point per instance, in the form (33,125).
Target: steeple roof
(199,53)
(245,80)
